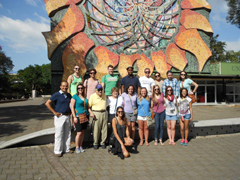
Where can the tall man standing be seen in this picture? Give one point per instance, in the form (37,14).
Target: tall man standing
(147,82)
(170,81)
(97,109)
(109,81)
(74,79)
(61,119)
(130,79)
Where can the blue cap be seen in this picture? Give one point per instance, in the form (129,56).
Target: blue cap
(99,86)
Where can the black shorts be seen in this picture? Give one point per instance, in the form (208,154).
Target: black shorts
(110,117)
(80,127)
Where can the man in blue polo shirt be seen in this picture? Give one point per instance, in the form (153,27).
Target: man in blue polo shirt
(61,119)
(130,79)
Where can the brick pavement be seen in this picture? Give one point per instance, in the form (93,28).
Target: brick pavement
(213,157)
(21,118)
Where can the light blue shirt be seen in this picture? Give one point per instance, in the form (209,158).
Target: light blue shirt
(145,105)
(187,84)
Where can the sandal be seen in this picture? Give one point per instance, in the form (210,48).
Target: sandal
(173,143)
(161,143)
(146,143)
(156,143)
(141,143)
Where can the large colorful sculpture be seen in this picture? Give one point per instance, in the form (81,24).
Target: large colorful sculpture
(159,34)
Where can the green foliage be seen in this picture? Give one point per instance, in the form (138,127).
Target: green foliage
(233,56)
(218,49)
(233,12)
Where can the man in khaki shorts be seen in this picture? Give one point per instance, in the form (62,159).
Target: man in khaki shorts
(97,110)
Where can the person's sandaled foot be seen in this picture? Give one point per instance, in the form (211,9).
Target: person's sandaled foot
(146,143)
(156,143)
(170,142)
(162,144)
(173,143)
(141,143)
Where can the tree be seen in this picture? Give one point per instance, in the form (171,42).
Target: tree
(232,56)
(233,12)
(6,66)
(218,49)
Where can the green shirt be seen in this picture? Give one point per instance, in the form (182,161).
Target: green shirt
(73,85)
(109,81)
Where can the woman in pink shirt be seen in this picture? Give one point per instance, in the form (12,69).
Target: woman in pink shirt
(157,104)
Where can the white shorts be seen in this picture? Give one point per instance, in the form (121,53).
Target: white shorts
(143,118)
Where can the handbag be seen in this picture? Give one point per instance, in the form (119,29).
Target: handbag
(135,111)
(150,121)
(192,96)
(82,117)
(153,113)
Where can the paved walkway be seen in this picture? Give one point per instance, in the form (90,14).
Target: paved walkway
(21,118)
(216,157)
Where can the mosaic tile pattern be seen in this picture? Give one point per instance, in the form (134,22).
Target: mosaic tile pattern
(194,4)
(143,63)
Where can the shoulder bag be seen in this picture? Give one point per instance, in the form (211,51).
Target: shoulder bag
(82,117)
(150,121)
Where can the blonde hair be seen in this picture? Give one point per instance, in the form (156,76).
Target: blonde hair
(140,96)
(153,94)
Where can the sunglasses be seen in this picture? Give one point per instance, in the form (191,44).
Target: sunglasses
(169,90)
(157,76)
(80,88)
(92,73)
(156,89)
(120,111)
(99,90)
(77,68)
(183,74)
(147,72)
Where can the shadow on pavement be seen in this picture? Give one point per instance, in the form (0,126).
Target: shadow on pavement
(9,129)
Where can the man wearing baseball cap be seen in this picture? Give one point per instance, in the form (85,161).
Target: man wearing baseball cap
(97,110)
(130,79)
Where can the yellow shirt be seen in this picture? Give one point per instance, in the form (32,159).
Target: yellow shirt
(97,103)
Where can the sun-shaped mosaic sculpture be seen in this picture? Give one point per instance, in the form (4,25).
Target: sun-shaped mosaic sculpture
(152,33)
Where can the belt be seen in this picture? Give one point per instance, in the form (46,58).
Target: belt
(66,114)
(98,110)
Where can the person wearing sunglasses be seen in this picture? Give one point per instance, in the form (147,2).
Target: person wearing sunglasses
(171,113)
(157,104)
(170,81)
(74,79)
(158,80)
(147,82)
(109,81)
(97,110)
(121,134)
(185,82)
(79,108)
(90,83)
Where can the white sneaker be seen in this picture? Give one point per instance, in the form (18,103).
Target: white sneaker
(82,150)
(78,150)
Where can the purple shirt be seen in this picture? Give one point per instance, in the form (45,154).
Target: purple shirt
(127,103)
(161,107)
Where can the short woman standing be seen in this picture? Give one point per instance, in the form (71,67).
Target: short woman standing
(185,82)
(121,133)
(143,103)
(157,104)
(158,80)
(171,113)
(186,113)
(79,107)
(130,108)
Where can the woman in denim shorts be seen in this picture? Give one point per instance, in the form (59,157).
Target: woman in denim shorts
(171,113)
(130,108)
(185,111)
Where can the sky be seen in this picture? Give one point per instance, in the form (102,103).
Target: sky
(22,21)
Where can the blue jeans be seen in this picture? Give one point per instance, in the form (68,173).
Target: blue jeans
(159,121)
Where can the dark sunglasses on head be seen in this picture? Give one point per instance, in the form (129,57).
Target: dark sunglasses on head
(80,88)
(147,72)
(92,73)
(157,76)
(183,74)
(77,68)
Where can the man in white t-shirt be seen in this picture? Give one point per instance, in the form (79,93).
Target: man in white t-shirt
(147,82)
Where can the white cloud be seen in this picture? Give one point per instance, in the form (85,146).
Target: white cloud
(23,36)
(32,2)
(1,5)
(233,45)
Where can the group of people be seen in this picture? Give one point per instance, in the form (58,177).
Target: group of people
(120,104)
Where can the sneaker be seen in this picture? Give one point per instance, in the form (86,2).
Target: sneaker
(78,150)
(95,147)
(186,143)
(103,146)
(182,142)
(82,150)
